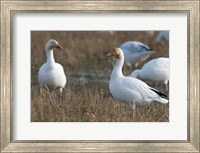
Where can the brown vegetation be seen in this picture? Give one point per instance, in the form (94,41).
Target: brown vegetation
(86,97)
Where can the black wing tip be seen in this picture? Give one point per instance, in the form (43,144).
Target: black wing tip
(159,93)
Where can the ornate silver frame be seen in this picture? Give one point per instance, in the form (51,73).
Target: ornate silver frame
(8,8)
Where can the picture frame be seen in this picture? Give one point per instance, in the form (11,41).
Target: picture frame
(9,8)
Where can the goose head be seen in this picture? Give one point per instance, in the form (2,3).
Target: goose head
(51,44)
(117,53)
(119,56)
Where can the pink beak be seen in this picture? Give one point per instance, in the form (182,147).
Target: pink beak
(109,54)
(59,47)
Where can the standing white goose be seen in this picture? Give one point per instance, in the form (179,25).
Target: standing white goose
(134,52)
(51,74)
(156,70)
(128,89)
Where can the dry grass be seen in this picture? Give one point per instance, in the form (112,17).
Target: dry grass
(86,97)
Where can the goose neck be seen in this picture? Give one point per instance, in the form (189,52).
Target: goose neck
(117,70)
(50,57)
(140,74)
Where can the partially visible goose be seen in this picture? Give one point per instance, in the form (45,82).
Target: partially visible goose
(156,70)
(128,89)
(162,36)
(134,52)
(51,74)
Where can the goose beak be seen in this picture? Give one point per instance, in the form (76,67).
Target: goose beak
(59,47)
(109,54)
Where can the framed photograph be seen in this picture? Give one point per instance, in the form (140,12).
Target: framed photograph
(100,76)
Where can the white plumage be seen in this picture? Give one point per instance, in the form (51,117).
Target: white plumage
(128,89)
(162,36)
(156,70)
(134,52)
(51,74)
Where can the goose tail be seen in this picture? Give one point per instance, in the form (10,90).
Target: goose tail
(162,100)
(162,97)
(159,93)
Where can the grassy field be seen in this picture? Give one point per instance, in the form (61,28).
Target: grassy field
(86,97)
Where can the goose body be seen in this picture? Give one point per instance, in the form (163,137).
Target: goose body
(134,52)
(51,74)
(128,89)
(156,70)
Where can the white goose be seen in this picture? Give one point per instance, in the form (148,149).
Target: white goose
(128,89)
(156,70)
(51,74)
(134,52)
